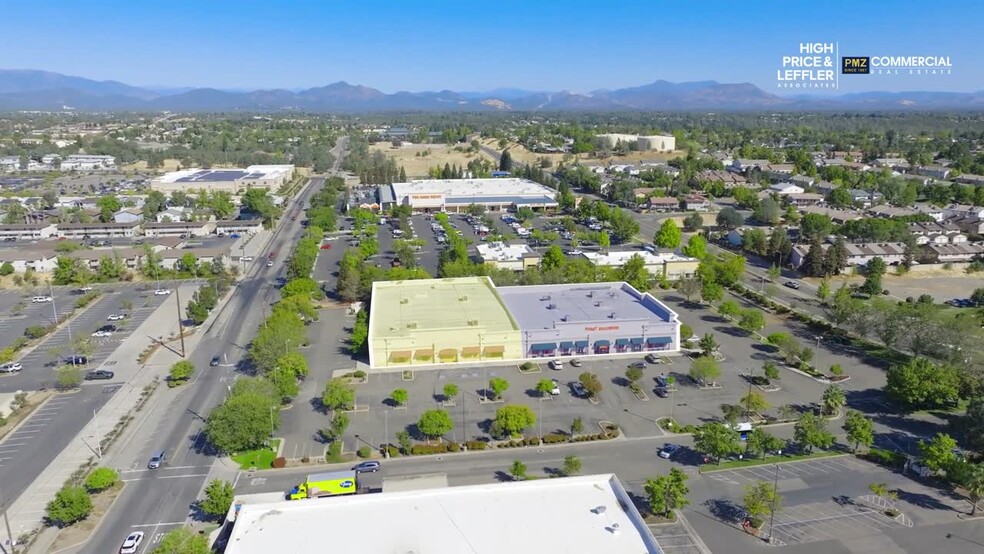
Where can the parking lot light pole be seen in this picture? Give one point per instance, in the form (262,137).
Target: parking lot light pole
(818,341)
(775,493)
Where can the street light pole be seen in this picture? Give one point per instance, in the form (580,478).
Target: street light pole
(95,421)
(272,408)
(775,493)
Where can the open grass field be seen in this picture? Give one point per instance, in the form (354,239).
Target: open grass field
(521,154)
(416,164)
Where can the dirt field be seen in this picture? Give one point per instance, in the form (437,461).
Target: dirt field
(417,166)
(521,154)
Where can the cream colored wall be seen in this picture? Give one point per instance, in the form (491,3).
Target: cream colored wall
(440,339)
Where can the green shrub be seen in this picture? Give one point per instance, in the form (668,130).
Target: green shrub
(393,451)
(476,445)
(334,455)
(552,438)
(359,374)
(454,447)
(429,449)
(884,457)
(70,504)
(100,479)
(364,452)
(35,331)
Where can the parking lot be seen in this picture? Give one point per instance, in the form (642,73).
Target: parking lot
(801,471)
(822,521)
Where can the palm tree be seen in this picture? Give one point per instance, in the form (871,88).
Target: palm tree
(833,399)
(975,486)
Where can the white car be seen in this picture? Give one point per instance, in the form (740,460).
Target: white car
(11,367)
(668,451)
(102,334)
(247,258)
(573,252)
(85,289)
(555,391)
(131,542)
(40,299)
(116,317)
(556,364)
(162,292)
(270,263)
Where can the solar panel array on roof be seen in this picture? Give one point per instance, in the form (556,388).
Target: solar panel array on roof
(209,175)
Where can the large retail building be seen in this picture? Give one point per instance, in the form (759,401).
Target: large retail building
(469,319)
(456,195)
(235,181)
(588,514)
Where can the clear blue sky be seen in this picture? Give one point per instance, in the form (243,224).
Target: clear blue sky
(443,44)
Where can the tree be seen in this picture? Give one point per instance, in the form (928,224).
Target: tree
(244,421)
(833,399)
(874,270)
(938,453)
(634,272)
(816,226)
(68,377)
(920,384)
(669,235)
(811,431)
(752,320)
(218,499)
(71,504)
(181,371)
(182,541)
(707,344)
(435,423)
(497,386)
(518,470)
(974,485)
(729,218)
(689,287)
(512,420)
(693,222)
(771,371)
(544,386)
(6,269)
(860,430)
(572,466)
(754,402)
(633,374)
(729,309)
(881,490)
(823,291)
(591,383)
(971,425)
(338,395)
(759,442)
(761,499)
(977,297)
(285,381)
(450,391)
(101,479)
(704,369)
(604,241)
(553,258)
(505,161)
(767,212)
(294,363)
(716,440)
(696,247)
(711,292)
(399,397)
(813,262)
(668,492)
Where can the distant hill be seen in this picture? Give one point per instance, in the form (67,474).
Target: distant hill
(42,90)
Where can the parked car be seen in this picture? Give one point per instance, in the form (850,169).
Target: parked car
(157,459)
(661,381)
(573,252)
(234,236)
(162,292)
(653,359)
(40,299)
(575,363)
(555,391)
(215,361)
(661,392)
(638,365)
(98,375)
(366,467)
(77,360)
(578,389)
(668,451)
(102,334)
(270,262)
(556,364)
(85,289)
(247,258)
(792,284)
(116,317)
(11,367)
(132,542)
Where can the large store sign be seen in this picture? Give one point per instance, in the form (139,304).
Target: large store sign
(601,328)
(426,196)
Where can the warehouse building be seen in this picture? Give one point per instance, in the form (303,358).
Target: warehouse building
(588,515)
(468,320)
(456,195)
(235,181)
(659,143)
(667,265)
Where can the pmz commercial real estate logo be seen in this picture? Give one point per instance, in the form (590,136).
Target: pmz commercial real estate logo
(813,66)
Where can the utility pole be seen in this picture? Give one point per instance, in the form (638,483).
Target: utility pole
(95,421)
(177,297)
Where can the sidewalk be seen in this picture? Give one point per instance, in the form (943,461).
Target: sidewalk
(27,512)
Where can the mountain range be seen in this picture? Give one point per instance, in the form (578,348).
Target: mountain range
(26,89)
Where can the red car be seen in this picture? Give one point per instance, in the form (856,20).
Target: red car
(326,247)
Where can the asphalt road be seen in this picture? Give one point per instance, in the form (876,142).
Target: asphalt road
(157,501)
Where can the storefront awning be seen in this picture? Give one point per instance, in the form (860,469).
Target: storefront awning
(568,345)
(400,356)
(621,342)
(659,340)
(581,344)
(424,354)
(636,340)
(471,351)
(543,347)
(602,343)
(495,350)
(448,354)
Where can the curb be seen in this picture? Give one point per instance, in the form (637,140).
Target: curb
(23,421)
(93,531)
(764,463)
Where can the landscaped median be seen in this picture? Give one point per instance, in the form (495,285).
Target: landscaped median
(768,460)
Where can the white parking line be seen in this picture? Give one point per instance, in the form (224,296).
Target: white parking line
(157,524)
(167,477)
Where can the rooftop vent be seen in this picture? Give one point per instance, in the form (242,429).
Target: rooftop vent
(404,301)
(611,315)
(473,323)
(462,299)
(597,304)
(411,325)
(551,306)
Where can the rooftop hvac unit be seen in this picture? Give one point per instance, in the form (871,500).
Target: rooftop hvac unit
(551,306)
(611,315)
(404,301)
(473,323)
(411,325)
(462,298)
(597,304)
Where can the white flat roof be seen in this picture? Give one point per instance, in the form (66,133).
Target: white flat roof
(500,252)
(617,259)
(587,514)
(509,186)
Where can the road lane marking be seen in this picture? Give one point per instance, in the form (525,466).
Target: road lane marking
(157,524)
(166,477)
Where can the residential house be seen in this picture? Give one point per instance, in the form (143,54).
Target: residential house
(10,163)
(865,198)
(696,203)
(779,171)
(663,204)
(896,164)
(839,216)
(98,230)
(786,188)
(970,179)
(937,233)
(934,171)
(804,199)
(950,253)
(736,237)
(28,231)
(884,210)
(744,166)
(858,254)
(932,211)
(804,181)
(729,179)
(825,187)
(128,215)
(246,226)
(179,228)
(40,261)
(173,214)
(641,194)
(963,210)
(204,256)
(970,225)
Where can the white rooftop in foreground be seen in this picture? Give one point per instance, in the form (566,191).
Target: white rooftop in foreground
(568,515)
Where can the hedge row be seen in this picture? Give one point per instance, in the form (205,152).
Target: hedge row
(884,457)
(586,438)
(477,445)
(435,448)
(552,438)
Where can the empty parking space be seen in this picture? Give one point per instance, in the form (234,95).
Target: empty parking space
(792,470)
(675,538)
(32,428)
(822,521)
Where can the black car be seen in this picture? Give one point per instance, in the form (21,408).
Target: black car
(661,381)
(661,392)
(652,358)
(214,362)
(637,365)
(98,374)
(76,360)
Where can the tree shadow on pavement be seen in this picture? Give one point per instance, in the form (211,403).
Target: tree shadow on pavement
(922,500)
(725,510)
